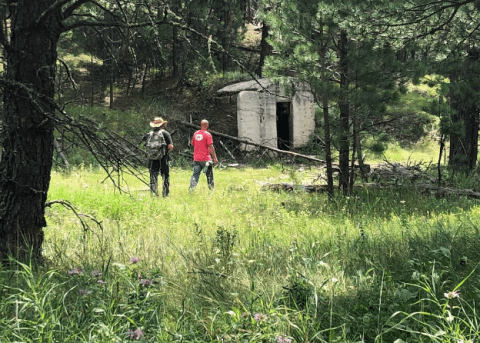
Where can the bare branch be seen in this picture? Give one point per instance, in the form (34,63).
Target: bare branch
(68,12)
(56,6)
(69,75)
(455,5)
(84,23)
(80,216)
(440,27)
(111,151)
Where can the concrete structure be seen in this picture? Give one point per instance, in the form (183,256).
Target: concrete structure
(269,115)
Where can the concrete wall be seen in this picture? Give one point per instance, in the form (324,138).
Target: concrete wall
(256,117)
(303,118)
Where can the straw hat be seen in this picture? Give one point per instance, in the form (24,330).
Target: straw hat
(158,122)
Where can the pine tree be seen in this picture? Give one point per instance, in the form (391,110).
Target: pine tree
(353,74)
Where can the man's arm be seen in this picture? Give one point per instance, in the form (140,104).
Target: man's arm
(168,140)
(211,151)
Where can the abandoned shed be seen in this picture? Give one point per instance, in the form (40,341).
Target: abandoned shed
(269,115)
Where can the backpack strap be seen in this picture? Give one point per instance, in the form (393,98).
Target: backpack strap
(150,135)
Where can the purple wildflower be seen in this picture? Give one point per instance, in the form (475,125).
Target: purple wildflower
(75,271)
(260,317)
(96,273)
(134,260)
(283,339)
(137,334)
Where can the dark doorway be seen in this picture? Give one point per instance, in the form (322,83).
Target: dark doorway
(283,125)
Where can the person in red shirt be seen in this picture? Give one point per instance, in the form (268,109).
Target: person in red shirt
(204,156)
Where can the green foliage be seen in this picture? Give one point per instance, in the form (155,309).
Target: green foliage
(131,124)
(299,293)
(241,264)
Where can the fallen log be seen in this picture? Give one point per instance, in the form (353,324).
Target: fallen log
(289,187)
(246,141)
(439,192)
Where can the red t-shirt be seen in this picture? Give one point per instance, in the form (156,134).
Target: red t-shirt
(200,141)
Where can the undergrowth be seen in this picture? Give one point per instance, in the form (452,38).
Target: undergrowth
(241,264)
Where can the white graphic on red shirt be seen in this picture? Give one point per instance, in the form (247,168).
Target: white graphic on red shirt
(198,137)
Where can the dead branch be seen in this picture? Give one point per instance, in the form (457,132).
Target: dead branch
(225,148)
(60,153)
(246,141)
(80,216)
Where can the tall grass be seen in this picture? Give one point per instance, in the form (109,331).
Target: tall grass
(241,264)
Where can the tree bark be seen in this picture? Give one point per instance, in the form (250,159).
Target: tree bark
(176,5)
(28,132)
(464,145)
(326,114)
(343,105)
(464,142)
(265,50)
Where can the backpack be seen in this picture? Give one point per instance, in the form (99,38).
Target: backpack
(156,146)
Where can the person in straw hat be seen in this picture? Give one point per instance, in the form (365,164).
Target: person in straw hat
(158,143)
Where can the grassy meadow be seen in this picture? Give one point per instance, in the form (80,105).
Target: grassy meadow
(241,264)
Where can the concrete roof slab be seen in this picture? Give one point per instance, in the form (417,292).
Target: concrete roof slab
(252,85)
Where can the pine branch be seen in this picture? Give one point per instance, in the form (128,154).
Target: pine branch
(110,150)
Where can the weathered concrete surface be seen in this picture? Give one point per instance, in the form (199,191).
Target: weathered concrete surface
(257,111)
(303,114)
(252,85)
(256,118)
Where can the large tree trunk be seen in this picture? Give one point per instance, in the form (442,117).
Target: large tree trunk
(464,145)
(28,132)
(343,104)
(265,49)
(326,114)
(464,142)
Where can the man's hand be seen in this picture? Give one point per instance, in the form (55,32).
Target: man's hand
(170,147)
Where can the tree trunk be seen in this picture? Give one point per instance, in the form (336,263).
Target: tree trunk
(225,37)
(28,132)
(344,141)
(328,148)
(351,180)
(464,99)
(326,115)
(265,50)
(361,162)
(175,43)
(464,144)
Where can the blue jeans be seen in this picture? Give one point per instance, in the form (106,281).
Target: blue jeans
(197,170)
